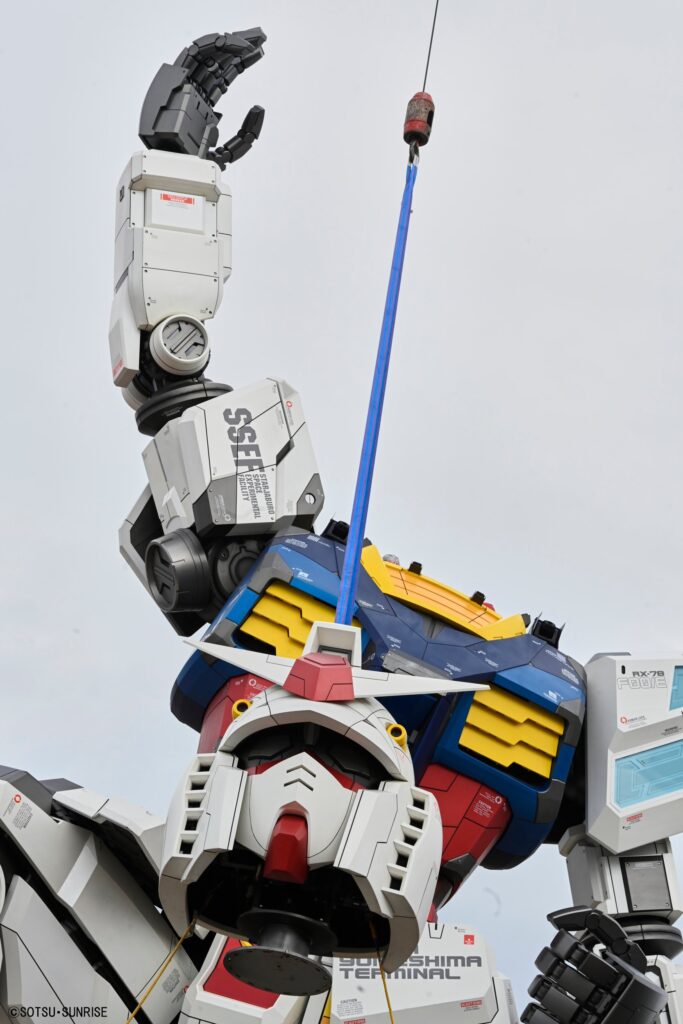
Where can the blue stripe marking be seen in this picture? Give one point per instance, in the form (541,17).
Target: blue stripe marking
(535,686)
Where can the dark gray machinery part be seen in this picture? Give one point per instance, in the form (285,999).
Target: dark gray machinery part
(178,111)
(143,529)
(650,904)
(178,573)
(578,987)
(173,399)
(279,959)
(187,580)
(231,561)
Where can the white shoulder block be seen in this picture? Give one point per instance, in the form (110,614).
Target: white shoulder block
(42,966)
(634,763)
(145,829)
(100,896)
(242,463)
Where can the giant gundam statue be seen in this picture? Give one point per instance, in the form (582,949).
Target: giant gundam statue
(349,778)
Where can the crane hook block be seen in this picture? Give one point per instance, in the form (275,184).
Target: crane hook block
(419,117)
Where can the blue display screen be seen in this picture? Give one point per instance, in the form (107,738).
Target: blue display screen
(647,775)
(677,689)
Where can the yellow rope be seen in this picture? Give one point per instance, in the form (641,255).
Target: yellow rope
(187,932)
(163,967)
(373,933)
(386,988)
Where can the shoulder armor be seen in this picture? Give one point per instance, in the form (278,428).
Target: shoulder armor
(241,463)
(634,760)
(69,884)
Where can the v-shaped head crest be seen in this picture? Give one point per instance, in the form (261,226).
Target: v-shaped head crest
(329,669)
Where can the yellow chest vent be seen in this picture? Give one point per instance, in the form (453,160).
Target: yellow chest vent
(511,732)
(282,619)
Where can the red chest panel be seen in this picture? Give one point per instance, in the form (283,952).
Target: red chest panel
(473,816)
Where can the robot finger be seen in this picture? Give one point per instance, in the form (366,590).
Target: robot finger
(215,60)
(580,986)
(241,143)
(558,1003)
(599,928)
(565,947)
(577,984)
(535,1014)
(178,111)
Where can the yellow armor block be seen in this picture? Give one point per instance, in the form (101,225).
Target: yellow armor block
(427,595)
(510,731)
(283,616)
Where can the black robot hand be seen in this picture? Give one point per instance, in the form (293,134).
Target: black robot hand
(178,111)
(578,986)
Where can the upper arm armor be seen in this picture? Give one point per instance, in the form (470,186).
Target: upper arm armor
(239,464)
(634,759)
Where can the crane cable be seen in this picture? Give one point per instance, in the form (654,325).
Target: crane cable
(431,40)
(416,132)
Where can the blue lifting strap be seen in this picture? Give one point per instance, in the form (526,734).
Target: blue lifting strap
(361,500)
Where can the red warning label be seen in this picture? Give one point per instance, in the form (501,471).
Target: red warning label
(173,197)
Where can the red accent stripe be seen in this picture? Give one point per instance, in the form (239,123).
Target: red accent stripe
(221,983)
(287,857)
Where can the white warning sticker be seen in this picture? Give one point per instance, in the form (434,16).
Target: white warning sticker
(350,1011)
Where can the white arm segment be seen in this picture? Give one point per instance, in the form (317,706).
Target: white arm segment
(173,252)
(640,888)
(238,466)
(222,465)
(621,860)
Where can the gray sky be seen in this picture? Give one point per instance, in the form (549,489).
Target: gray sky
(531,446)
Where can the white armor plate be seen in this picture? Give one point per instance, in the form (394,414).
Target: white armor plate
(634,768)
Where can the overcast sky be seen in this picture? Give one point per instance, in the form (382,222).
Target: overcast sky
(531,445)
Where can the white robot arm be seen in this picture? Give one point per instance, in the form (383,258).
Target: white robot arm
(226,468)
(173,252)
(620,863)
(173,218)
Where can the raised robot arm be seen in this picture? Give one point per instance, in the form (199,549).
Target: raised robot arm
(226,468)
(621,868)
